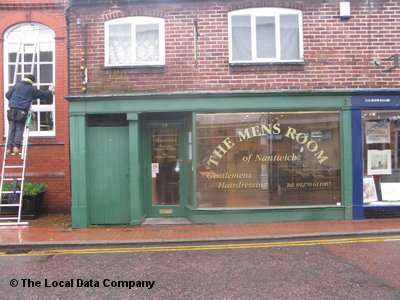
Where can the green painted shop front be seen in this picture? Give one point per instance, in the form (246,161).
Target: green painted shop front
(211,158)
(108,174)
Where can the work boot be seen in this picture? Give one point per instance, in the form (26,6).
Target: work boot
(16,150)
(8,152)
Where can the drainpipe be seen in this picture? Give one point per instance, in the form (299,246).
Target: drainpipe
(67,21)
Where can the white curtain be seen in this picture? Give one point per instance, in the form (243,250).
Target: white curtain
(147,43)
(119,43)
(289,37)
(266,40)
(241,38)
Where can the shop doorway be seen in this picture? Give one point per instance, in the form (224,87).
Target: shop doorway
(167,166)
(108,157)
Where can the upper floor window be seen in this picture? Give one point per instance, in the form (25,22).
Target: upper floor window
(29,49)
(265,35)
(134,41)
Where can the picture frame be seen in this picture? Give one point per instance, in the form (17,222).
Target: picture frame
(390,191)
(369,190)
(379,162)
(378,134)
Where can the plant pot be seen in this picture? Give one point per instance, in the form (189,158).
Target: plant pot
(31,207)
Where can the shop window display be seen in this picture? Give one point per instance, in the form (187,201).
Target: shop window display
(268,159)
(381,153)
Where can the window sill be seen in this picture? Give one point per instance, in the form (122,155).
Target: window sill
(267,66)
(46,137)
(382,203)
(42,143)
(270,63)
(134,67)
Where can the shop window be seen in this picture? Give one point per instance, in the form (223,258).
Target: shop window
(190,142)
(265,35)
(134,41)
(268,159)
(381,154)
(29,49)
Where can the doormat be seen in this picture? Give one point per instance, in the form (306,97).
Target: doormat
(166,221)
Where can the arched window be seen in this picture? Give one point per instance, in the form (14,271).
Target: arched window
(29,49)
(134,41)
(258,35)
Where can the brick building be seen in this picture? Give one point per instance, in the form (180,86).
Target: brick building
(232,111)
(33,40)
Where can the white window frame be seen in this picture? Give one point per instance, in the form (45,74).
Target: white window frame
(134,21)
(266,12)
(37,108)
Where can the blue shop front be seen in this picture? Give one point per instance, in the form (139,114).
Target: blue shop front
(376,154)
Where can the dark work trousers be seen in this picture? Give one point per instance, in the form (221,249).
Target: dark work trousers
(15,131)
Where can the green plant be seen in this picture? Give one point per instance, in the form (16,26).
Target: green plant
(29,188)
(34,188)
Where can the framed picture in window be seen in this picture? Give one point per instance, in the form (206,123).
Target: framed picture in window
(390,191)
(369,191)
(379,162)
(376,133)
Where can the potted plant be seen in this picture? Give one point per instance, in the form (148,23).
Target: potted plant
(31,201)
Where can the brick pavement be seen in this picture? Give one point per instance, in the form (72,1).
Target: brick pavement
(54,229)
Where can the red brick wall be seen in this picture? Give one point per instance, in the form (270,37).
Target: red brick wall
(48,158)
(338,54)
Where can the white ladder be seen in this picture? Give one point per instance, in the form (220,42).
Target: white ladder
(17,164)
(22,66)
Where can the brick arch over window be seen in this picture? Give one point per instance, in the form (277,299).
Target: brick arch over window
(116,14)
(271,3)
(35,17)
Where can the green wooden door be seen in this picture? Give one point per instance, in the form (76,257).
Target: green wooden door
(108,174)
(166,165)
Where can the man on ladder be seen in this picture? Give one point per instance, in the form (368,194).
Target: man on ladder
(20,98)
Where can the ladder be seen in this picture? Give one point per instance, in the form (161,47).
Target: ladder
(17,192)
(23,66)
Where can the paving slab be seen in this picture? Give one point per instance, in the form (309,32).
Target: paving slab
(55,230)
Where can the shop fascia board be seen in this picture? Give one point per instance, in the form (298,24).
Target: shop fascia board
(358,96)
(209,102)
(393,92)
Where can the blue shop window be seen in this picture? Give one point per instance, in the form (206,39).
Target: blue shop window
(381,152)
